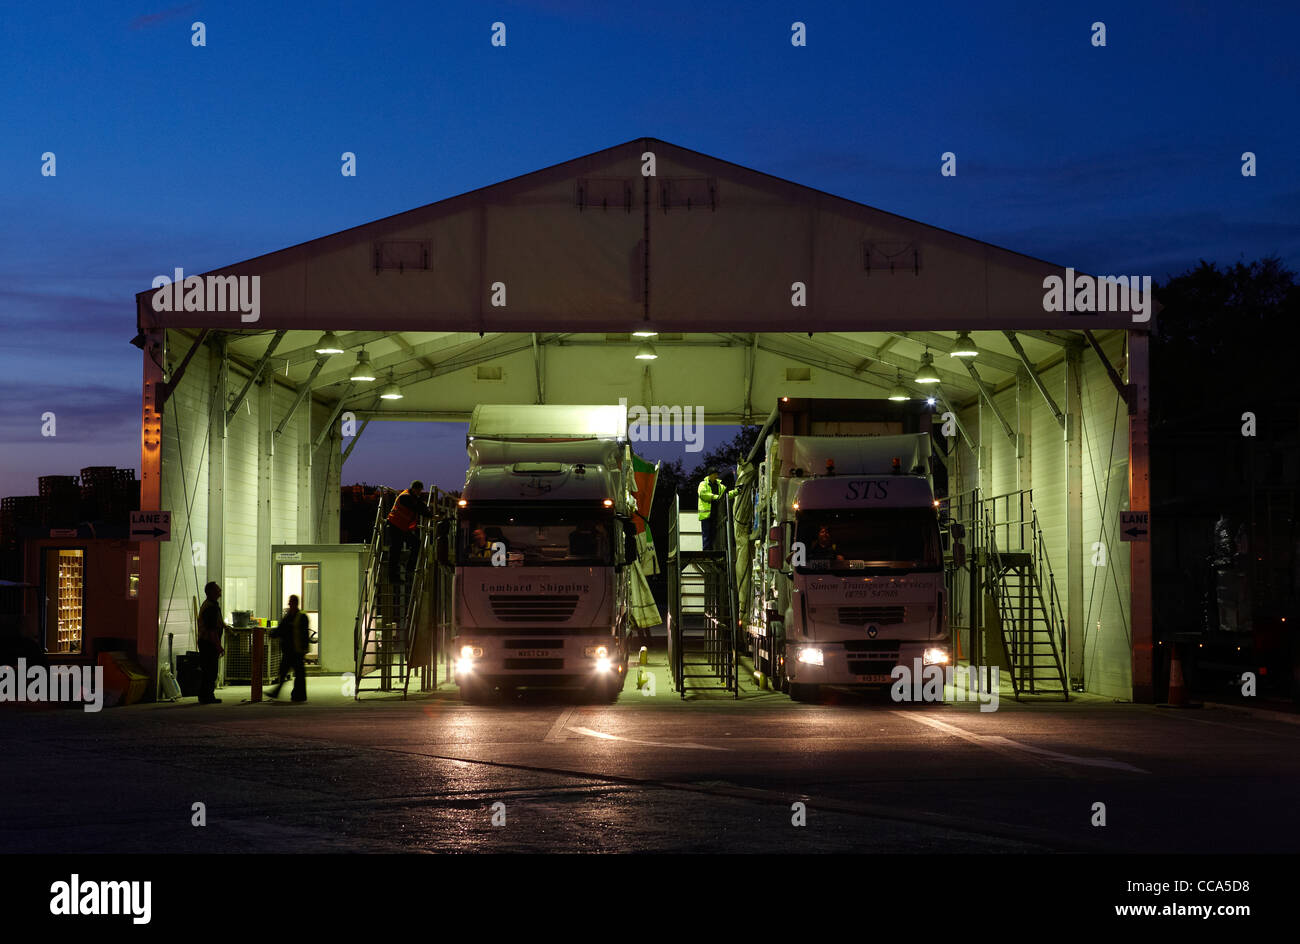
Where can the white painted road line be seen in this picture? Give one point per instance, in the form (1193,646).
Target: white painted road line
(996,741)
(557,732)
(614,737)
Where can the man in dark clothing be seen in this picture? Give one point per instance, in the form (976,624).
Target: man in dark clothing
(293,633)
(403,522)
(211,628)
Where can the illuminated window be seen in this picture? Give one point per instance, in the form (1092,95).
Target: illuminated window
(69,599)
(133,577)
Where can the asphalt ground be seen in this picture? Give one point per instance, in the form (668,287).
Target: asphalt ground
(545,772)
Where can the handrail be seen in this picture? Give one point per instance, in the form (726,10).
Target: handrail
(673,562)
(1015,656)
(1052,605)
(361,627)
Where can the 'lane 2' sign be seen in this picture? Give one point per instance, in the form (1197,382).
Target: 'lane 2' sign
(1135,525)
(151,526)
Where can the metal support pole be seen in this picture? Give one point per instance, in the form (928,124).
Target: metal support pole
(1074,536)
(1139,490)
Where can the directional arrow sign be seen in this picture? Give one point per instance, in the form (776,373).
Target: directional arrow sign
(1134,525)
(151,525)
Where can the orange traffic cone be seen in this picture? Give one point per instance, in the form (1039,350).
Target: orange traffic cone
(1177,691)
(1177,687)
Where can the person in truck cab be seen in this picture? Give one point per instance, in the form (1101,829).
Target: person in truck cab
(824,548)
(479,549)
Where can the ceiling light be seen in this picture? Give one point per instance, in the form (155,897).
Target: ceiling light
(964,347)
(328,344)
(391,390)
(644,334)
(363,371)
(646,352)
(899,393)
(926,374)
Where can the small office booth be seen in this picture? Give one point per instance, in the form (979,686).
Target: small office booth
(326,578)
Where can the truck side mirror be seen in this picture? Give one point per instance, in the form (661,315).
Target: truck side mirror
(630,554)
(958,531)
(441,553)
(774,556)
(959,554)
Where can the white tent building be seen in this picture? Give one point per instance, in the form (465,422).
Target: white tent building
(532,291)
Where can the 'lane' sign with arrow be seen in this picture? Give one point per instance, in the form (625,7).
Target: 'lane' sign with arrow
(1134,525)
(151,526)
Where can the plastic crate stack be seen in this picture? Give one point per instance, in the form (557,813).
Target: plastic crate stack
(17,512)
(62,499)
(109,494)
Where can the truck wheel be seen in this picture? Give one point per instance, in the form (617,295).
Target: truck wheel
(607,689)
(803,692)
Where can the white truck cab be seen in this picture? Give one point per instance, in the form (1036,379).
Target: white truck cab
(544,541)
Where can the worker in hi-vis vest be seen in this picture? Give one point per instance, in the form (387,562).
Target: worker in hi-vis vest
(710,493)
(408,509)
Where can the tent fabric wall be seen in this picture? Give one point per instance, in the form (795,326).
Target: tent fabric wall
(585,267)
(1107,641)
(239,564)
(185,456)
(1108,664)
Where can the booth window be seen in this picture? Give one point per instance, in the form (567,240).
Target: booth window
(69,595)
(133,577)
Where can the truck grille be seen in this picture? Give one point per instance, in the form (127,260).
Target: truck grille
(871,656)
(870,666)
(533,644)
(884,648)
(532,607)
(534,663)
(862,615)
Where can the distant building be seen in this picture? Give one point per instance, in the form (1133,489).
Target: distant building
(68,548)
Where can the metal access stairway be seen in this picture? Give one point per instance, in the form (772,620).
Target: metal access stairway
(389,613)
(1021,582)
(701,614)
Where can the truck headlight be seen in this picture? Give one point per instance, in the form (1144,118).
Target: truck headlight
(465,664)
(935,657)
(811,656)
(602,664)
(596,652)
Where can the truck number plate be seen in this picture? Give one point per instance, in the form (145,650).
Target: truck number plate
(876,679)
(534,653)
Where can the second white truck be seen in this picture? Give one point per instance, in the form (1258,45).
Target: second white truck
(850,580)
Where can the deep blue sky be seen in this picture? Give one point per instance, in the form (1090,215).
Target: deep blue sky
(1122,159)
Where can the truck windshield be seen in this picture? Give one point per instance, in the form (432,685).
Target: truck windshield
(857,539)
(533,537)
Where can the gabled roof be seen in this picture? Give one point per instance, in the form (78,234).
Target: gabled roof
(594,245)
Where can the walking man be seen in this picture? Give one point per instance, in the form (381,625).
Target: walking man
(211,629)
(293,633)
(710,493)
(408,509)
